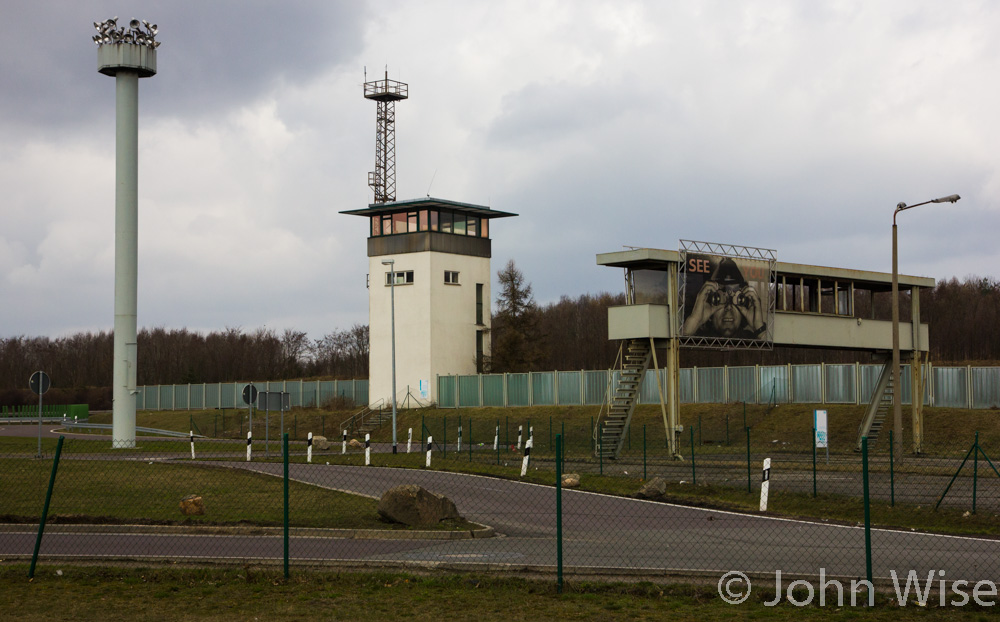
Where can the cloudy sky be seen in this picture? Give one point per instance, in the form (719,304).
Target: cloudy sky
(791,125)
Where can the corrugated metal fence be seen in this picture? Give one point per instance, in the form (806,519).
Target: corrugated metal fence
(308,393)
(957,387)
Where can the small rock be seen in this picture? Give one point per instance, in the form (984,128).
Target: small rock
(653,489)
(966,514)
(192,505)
(571,480)
(355,444)
(320,443)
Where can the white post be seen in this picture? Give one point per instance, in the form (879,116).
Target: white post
(192,444)
(520,430)
(309,448)
(765,484)
(527,453)
(459,446)
(531,433)
(496,438)
(409,440)
(343,446)
(368,450)
(249,443)
(430,444)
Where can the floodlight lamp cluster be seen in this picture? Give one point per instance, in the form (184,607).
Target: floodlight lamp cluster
(109,32)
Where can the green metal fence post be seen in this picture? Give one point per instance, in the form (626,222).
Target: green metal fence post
(975,472)
(749,484)
(892,472)
(444,453)
(559,538)
(562,427)
(600,448)
(644,452)
(45,509)
(550,432)
(813,443)
(284,451)
(498,442)
(470,439)
(868,517)
(694,477)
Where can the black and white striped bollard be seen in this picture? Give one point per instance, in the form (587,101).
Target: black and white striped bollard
(520,431)
(249,443)
(409,440)
(430,445)
(527,453)
(459,447)
(343,446)
(192,444)
(765,484)
(496,439)
(368,450)
(309,448)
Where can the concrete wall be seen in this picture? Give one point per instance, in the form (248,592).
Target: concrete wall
(435,322)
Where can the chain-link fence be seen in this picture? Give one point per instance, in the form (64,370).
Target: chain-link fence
(847,515)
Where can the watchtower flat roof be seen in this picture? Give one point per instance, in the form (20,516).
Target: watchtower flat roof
(658,259)
(428,203)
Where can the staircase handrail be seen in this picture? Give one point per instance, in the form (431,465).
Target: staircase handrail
(619,364)
(358,419)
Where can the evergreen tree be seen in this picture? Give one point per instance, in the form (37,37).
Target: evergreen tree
(516,340)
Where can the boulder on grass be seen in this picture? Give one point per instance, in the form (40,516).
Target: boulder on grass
(571,480)
(653,489)
(320,443)
(192,505)
(416,506)
(355,444)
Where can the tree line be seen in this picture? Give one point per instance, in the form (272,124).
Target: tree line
(82,362)
(570,334)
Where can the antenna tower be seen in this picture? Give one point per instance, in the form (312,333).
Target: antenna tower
(386,93)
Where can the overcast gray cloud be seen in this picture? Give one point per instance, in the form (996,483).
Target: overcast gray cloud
(789,125)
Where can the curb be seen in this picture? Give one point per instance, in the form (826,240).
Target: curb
(216,530)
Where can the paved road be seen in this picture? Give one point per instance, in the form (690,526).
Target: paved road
(600,532)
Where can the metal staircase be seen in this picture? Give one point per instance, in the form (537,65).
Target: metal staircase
(878,407)
(612,423)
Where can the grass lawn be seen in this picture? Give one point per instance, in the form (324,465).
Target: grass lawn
(137,492)
(86,593)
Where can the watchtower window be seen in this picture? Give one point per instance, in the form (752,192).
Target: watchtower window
(403,277)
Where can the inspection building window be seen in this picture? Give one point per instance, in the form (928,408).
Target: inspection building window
(451,277)
(403,277)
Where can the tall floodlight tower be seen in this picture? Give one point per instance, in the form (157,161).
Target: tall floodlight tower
(386,93)
(127,53)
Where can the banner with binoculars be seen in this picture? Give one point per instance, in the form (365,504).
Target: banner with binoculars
(727,299)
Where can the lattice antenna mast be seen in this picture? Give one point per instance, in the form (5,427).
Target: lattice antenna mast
(386,93)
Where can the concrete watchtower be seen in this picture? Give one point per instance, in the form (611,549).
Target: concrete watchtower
(431,256)
(127,54)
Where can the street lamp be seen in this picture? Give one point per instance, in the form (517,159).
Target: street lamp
(392,305)
(897,406)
